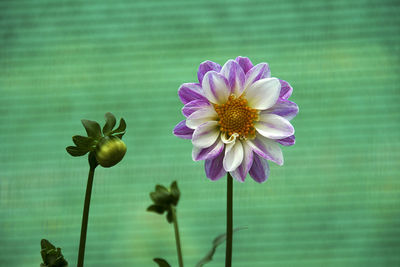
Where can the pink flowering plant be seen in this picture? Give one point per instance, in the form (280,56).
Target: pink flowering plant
(237,116)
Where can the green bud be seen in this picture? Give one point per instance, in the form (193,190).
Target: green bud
(110,151)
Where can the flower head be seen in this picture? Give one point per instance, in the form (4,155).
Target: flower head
(236,117)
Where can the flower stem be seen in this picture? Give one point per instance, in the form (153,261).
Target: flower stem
(177,238)
(229,221)
(85,217)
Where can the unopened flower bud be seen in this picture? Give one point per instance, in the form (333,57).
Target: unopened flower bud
(110,151)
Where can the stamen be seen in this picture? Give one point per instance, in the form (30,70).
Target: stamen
(236,117)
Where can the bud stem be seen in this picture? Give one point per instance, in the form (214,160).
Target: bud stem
(85,217)
(177,238)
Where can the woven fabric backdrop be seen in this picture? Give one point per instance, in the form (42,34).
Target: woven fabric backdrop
(335,202)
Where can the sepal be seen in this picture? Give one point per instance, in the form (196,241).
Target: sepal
(92,128)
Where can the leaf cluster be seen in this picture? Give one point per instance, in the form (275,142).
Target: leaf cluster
(51,255)
(85,144)
(165,199)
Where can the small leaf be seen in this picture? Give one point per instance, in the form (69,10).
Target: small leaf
(161,262)
(175,193)
(83,141)
(121,128)
(92,128)
(156,208)
(216,242)
(76,151)
(110,123)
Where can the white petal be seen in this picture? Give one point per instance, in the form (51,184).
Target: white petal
(241,172)
(216,87)
(267,149)
(263,93)
(233,156)
(206,134)
(201,116)
(273,126)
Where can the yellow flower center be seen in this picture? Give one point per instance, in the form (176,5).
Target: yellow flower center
(236,117)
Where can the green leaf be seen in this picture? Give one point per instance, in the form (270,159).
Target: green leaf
(156,208)
(83,141)
(110,123)
(92,128)
(216,242)
(175,193)
(121,128)
(161,262)
(76,151)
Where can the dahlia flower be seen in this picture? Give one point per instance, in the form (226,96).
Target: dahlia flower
(236,116)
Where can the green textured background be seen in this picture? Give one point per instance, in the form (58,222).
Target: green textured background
(335,202)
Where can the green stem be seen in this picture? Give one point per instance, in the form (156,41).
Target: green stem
(177,238)
(85,218)
(229,221)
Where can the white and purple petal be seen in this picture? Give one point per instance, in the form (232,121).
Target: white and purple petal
(258,72)
(209,152)
(193,106)
(182,131)
(206,134)
(284,108)
(214,167)
(235,76)
(288,141)
(286,90)
(241,172)
(191,91)
(245,63)
(272,126)
(259,171)
(267,149)
(205,67)
(203,115)
(263,94)
(216,87)
(233,155)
